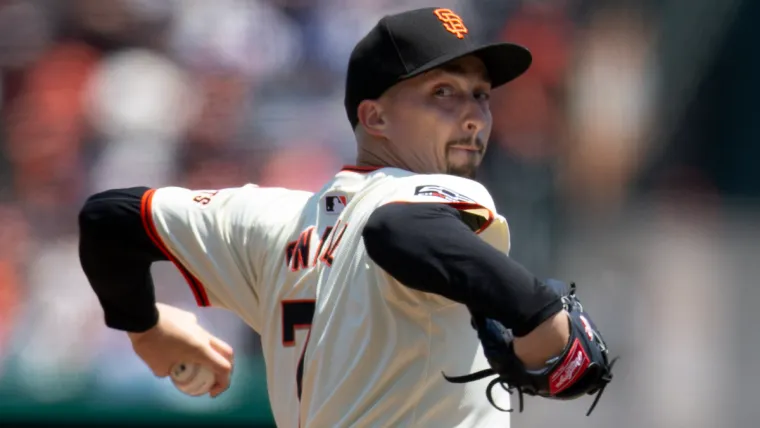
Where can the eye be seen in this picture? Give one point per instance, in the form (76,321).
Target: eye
(482,96)
(443,91)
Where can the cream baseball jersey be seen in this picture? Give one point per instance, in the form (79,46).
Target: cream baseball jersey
(345,344)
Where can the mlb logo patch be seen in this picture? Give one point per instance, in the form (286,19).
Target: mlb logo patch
(334,204)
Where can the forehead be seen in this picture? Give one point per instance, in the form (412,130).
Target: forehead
(469,67)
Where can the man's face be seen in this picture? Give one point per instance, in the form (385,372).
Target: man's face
(440,121)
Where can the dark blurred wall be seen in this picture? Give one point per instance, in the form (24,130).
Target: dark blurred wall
(730,103)
(715,143)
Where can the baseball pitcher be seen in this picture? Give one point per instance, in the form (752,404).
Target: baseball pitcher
(385,299)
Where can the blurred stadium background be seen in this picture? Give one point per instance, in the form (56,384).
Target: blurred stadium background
(624,160)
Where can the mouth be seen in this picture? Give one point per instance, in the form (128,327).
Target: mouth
(469,145)
(467,148)
(470,151)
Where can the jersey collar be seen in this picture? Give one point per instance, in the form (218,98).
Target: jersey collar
(359,169)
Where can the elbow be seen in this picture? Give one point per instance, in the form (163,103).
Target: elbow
(111,227)
(103,212)
(88,214)
(92,214)
(92,233)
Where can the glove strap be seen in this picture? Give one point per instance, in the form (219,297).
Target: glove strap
(470,377)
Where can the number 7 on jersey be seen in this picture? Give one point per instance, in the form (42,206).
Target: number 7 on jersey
(297,315)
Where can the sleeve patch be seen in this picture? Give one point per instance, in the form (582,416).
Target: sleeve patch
(437,191)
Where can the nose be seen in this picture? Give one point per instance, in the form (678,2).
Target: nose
(475,117)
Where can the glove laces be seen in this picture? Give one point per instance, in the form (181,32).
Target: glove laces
(606,378)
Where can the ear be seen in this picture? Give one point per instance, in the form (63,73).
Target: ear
(371,116)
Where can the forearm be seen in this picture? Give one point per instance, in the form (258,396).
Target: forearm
(427,247)
(116,255)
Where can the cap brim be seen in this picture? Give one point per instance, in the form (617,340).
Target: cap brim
(504,62)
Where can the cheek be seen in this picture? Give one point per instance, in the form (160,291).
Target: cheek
(485,134)
(417,125)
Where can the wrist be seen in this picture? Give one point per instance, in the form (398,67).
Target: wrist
(132,322)
(135,336)
(546,341)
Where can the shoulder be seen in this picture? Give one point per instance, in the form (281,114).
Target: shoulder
(272,204)
(258,194)
(248,193)
(440,188)
(245,203)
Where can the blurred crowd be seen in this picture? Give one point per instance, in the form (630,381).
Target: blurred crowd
(96,94)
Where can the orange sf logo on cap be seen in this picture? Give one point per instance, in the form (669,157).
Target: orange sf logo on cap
(451,22)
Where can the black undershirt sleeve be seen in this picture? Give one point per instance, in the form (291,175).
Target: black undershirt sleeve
(116,255)
(431,248)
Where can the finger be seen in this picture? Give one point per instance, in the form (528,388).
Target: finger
(220,386)
(215,361)
(223,348)
(162,372)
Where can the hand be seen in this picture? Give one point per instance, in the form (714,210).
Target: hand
(564,358)
(179,338)
(547,340)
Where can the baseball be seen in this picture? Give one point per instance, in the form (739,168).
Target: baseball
(192,379)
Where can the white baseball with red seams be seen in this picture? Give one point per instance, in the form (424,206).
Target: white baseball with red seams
(192,379)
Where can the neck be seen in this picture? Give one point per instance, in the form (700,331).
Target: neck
(378,156)
(384,155)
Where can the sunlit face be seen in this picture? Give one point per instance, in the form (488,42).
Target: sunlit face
(440,121)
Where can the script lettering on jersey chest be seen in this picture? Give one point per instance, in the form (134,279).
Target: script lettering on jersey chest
(298,252)
(203,197)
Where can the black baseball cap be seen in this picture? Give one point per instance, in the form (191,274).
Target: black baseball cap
(410,43)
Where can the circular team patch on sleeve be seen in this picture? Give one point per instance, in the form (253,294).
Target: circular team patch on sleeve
(437,191)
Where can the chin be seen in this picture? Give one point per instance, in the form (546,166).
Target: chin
(466,171)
